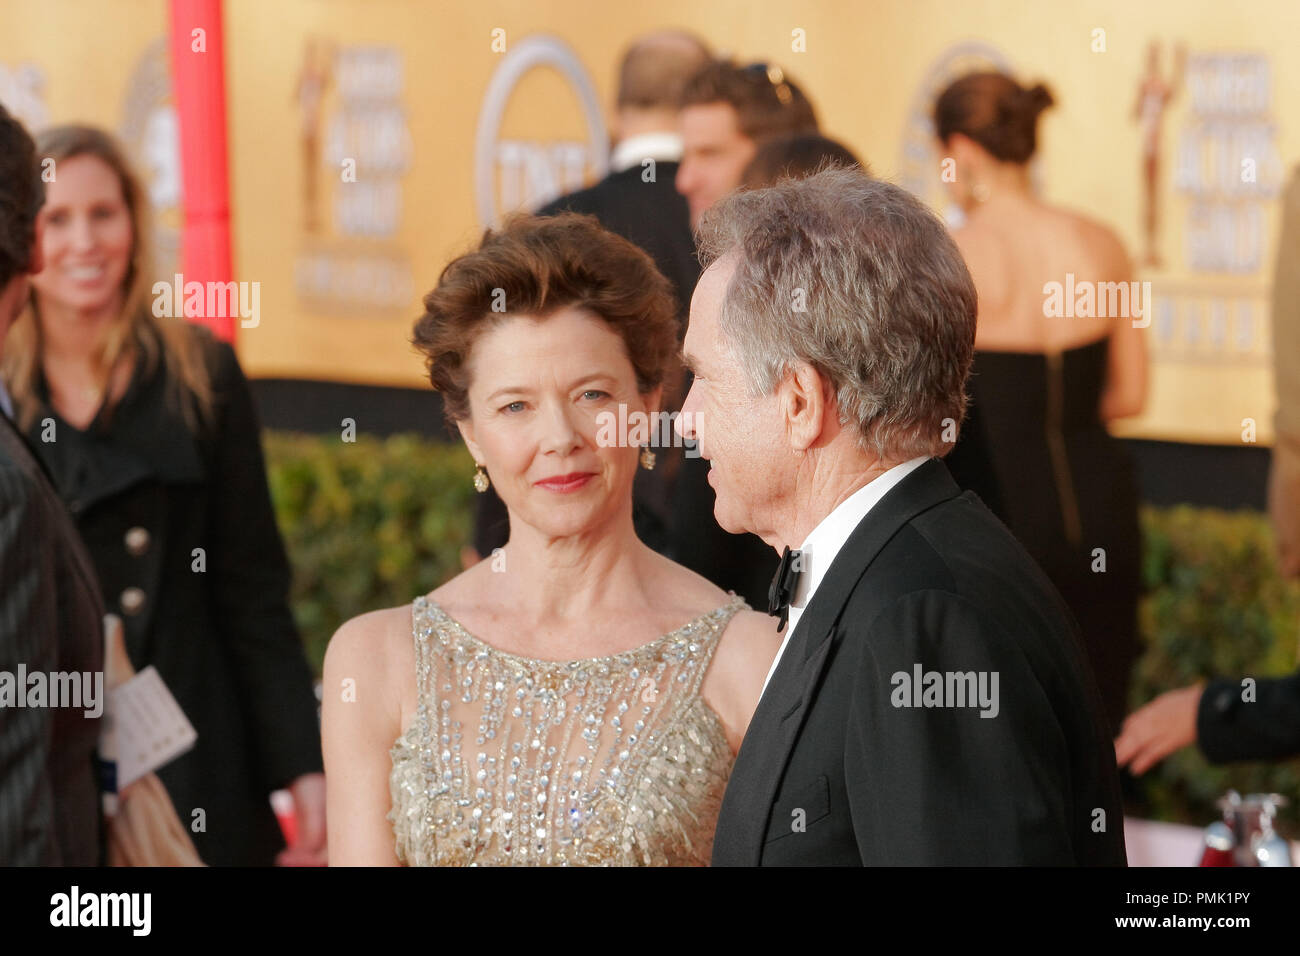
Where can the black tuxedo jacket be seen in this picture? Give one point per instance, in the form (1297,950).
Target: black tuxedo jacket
(835,770)
(51,619)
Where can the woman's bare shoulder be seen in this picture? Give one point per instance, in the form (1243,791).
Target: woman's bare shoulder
(744,654)
(375,625)
(740,664)
(753,635)
(371,644)
(363,688)
(1100,239)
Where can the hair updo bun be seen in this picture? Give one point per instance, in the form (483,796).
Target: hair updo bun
(1037,98)
(995,111)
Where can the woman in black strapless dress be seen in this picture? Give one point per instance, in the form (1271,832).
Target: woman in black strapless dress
(1035,446)
(1039,455)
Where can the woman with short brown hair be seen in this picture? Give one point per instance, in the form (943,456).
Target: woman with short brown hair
(575,698)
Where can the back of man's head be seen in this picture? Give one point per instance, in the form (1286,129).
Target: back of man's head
(21,195)
(795,157)
(656,68)
(767,102)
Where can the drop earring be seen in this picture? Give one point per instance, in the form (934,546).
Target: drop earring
(481,482)
(647,458)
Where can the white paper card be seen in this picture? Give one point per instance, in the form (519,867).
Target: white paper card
(149,726)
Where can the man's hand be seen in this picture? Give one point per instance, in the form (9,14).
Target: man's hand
(1153,732)
(309,809)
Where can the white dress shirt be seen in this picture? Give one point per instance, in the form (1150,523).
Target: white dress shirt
(661,147)
(825,541)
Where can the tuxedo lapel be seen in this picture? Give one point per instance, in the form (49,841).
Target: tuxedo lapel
(765,751)
(747,802)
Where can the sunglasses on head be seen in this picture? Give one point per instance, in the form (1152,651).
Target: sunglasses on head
(774,75)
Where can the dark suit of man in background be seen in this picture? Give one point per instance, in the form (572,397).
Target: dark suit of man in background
(51,616)
(931,703)
(728,113)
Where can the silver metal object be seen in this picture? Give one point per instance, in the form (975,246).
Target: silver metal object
(1250,819)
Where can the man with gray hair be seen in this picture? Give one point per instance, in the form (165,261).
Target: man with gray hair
(930,703)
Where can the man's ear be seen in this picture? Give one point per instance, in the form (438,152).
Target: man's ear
(466,429)
(805,404)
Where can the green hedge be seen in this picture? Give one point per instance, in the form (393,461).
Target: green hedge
(368,524)
(374,523)
(1214,606)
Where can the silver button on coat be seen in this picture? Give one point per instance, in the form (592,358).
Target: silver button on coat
(132,600)
(137,541)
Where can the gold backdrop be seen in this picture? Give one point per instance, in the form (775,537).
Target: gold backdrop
(389,102)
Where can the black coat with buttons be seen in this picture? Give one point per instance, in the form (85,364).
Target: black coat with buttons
(181,530)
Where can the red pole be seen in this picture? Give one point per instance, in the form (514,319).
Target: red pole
(198,83)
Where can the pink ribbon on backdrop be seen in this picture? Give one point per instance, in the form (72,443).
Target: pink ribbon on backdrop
(199,87)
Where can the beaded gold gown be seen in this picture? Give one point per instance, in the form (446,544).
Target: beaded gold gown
(511,760)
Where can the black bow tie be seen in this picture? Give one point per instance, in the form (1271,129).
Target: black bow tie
(784,582)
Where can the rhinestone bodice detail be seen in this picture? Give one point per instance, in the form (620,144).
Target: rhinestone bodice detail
(511,760)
